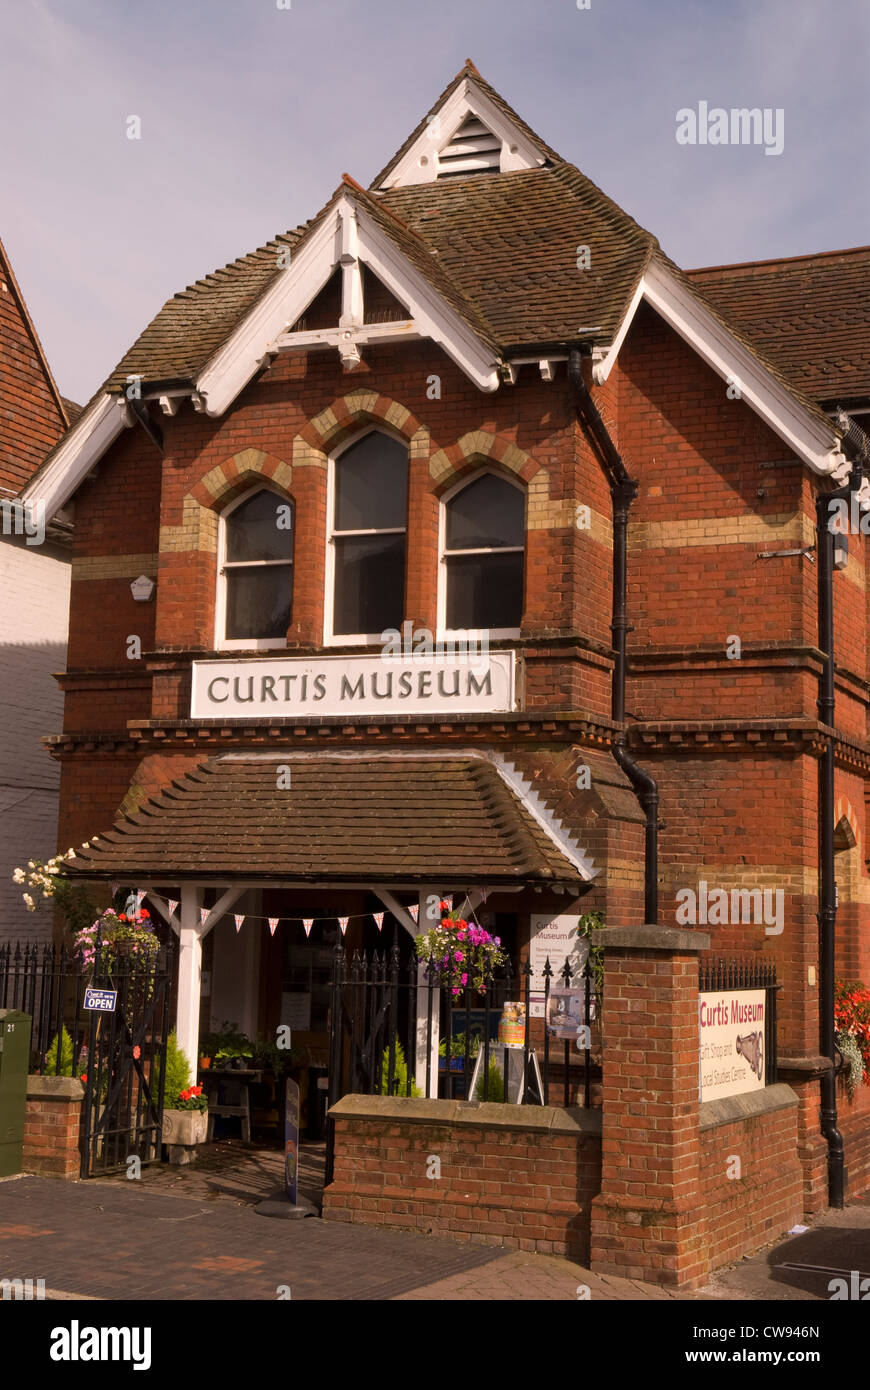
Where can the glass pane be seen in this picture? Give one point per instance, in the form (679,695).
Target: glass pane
(487,512)
(258,601)
(371,485)
(485,591)
(253,531)
(369,583)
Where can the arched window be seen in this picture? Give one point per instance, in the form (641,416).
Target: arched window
(368,517)
(255,590)
(483,557)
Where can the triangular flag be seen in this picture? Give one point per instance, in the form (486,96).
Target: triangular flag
(379,920)
(139,897)
(172,904)
(448,898)
(342,922)
(308,923)
(273,922)
(240,917)
(484,894)
(203,913)
(414,910)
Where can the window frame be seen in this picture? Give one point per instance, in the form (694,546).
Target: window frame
(241,644)
(445,633)
(357,639)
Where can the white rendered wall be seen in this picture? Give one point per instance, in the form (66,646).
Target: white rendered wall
(34,617)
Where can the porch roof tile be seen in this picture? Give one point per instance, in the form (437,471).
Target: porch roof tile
(450,820)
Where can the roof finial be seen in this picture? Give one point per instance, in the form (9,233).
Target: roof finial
(471,67)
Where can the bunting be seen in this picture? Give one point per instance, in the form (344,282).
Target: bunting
(203,914)
(239,919)
(308,923)
(172,904)
(273,922)
(414,910)
(379,920)
(342,922)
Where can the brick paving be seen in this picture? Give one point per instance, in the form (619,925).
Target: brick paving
(194,1235)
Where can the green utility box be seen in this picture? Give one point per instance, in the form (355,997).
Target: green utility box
(14,1066)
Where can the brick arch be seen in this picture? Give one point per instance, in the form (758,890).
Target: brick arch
(447,466)
(846,825)
(245,469)
(361,407)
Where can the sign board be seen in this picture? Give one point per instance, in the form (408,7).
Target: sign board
(477,682)
(104,1000)
(731,1033)
(291,1140)
(557,938)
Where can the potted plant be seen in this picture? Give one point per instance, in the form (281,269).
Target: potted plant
(461,951)
(852,1030)
(120,934)
(185,1108)
(228,1045)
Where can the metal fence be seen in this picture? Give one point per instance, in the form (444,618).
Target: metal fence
(403,1027)
(721,976)
(120,1054)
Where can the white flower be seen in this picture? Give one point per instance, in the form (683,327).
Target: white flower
(31,863)
(86,845)
(18,876)
(45,893)
(70,854)
(31,905)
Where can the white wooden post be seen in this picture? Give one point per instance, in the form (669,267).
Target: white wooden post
(424,924)
(189,975)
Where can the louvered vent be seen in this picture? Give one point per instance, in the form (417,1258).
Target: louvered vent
(473,150)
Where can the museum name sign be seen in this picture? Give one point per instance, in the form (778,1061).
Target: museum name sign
(294,687)
(731,1029)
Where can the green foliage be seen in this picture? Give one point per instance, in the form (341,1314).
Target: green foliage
(590,922)
(495,1084)
(228,1041)
(177,1073)
(457,1046)
(66,1056)
(853,1060)
(268,1055)
(400,1074)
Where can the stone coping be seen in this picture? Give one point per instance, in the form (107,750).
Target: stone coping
(54,1088)
(729,1109)
(652,938)
(473,1114)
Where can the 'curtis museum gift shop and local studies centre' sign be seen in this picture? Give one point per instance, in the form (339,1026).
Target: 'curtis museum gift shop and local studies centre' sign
(482,683)
(731,1032)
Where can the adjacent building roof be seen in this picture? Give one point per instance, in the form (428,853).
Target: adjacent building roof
(32,413)
(809,314)
(447,820)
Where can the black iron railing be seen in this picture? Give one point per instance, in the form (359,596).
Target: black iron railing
(389,1010)
(715,976)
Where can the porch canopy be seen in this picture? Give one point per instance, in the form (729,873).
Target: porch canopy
(381,820)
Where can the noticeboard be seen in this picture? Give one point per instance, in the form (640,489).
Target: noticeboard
(731,1028)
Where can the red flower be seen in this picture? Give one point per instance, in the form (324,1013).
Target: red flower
(83,1077)
(137,1052)
(144,914)
(122,916)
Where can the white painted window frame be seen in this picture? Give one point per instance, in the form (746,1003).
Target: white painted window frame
(354,639)
(223,643)
(445,633)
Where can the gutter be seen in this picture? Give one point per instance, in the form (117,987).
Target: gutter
(623,491)
(857,445)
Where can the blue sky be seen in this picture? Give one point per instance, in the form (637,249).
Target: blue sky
(251,113)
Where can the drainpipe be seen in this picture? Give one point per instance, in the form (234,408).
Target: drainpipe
(623,491)
(856,443)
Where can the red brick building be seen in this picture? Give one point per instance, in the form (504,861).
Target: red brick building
(477,397)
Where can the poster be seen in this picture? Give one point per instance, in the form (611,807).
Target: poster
(731,1027)
(566,1009)
(556,938)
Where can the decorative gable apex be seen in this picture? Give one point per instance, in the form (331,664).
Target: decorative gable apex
(468,132)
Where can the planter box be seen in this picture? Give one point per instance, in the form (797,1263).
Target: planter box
(182,1131)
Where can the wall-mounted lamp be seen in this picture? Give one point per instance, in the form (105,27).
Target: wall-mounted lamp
(142,588)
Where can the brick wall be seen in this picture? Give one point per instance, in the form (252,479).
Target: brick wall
(53,1126)
(521,1179)
(750,1175)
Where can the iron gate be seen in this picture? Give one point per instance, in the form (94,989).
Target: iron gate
(126,1061)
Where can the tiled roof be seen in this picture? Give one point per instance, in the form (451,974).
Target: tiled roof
(809,314)
(444,820)
(510,244)
(32,414)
